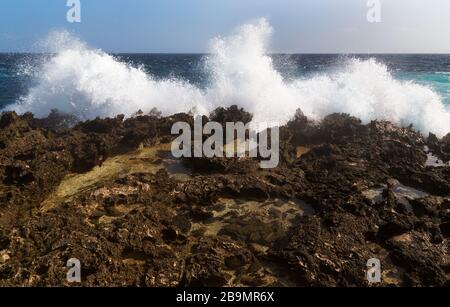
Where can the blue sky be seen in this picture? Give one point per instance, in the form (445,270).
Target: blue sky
(303,26)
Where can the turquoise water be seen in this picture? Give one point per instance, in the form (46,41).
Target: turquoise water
(438,81)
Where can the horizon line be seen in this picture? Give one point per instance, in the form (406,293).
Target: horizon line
(269,53)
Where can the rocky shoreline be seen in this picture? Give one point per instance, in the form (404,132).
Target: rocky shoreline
(107,192)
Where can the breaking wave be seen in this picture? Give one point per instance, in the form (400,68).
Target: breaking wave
(89,83)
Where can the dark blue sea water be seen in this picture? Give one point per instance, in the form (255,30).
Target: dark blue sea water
(18,72)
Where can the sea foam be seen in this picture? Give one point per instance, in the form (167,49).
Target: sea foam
(89,82)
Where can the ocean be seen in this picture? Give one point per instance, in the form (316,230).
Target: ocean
(431,70)
(79,79)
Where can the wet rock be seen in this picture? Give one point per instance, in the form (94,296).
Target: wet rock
(410,253)
(445,229)
(440,147)
(182,222)
(231,114)
(424,207)
(235,261)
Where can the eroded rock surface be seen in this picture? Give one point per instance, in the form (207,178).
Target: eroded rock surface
(107,192)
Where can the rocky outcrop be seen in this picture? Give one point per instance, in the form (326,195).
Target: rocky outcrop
(344,192)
